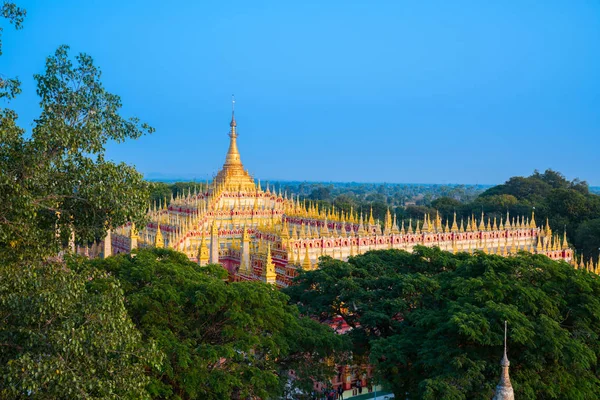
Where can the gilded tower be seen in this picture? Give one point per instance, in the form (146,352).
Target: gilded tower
(233,175)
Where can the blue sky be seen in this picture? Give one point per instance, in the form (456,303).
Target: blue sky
(374,91)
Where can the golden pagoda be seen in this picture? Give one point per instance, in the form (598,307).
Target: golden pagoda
(261,234)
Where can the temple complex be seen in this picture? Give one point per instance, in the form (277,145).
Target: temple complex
(264,234)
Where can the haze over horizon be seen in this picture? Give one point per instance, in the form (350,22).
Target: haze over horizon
(398,92)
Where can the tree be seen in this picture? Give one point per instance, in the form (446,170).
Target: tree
(446,205)
(9,87)
(431,321)
(64,333)
(58,180)
(221,340)
(588,237)
(321,193)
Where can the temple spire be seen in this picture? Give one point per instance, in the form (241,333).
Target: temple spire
(233,124)
(233,154)
(504,390)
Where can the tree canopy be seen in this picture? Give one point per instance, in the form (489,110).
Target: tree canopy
(58,179)
(432,322)
(65,333)
(221,340)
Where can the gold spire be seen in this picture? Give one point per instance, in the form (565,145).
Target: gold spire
(565,245)
(425,224)
(233,173)
(285,233)
(269,271)
(159,242)
(454,224)
(306,264)
(395,226)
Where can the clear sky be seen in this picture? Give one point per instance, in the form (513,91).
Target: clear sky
(376,91)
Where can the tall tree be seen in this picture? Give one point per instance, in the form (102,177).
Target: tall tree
(65,333)
(221,340)
(58,179)
(431,321)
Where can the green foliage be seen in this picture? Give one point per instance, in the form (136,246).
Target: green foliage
(431,322)
(221,340)
(564,203)
(587,236)
(10,87)
(65,333)
(58,178)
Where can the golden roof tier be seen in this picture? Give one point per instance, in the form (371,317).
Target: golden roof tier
(233,176)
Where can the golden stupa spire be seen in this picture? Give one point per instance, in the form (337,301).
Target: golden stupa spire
(306,264)
(158,239)
(454,224)
(269,271)
(425,224)
(233,174)
(482,223)
(325,228)
(395,225)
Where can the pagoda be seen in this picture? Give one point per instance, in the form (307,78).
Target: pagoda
(267,235)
